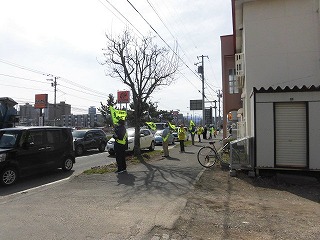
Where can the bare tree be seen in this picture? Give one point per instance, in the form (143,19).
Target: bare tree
(142,66)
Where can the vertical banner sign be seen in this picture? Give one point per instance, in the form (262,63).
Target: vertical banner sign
(116,115)
(41,101)
(123,97)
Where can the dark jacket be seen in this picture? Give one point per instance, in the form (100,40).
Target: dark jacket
(119,134)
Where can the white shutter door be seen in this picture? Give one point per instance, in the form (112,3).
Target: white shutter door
(291,134)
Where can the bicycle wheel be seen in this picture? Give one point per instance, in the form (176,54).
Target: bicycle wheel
(207,157)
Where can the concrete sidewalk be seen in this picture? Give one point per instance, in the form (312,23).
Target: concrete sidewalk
(109,206)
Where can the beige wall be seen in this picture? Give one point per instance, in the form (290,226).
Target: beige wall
(281,43)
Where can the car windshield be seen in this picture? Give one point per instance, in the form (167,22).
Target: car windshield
(8,139)
(78,134)
(158,133)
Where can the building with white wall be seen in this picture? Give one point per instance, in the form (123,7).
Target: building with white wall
(277,62)
(279,45)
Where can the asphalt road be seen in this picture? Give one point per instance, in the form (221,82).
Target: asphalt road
(90,159)
(108,206)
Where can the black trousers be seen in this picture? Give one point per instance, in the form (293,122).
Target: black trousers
(120,151)
(192,138)
(181,145)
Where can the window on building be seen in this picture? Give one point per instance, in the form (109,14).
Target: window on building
(233,84)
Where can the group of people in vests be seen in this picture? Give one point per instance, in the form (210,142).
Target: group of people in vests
(182,134)
(202,132)
(121,139)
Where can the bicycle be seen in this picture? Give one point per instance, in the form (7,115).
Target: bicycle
(208,156)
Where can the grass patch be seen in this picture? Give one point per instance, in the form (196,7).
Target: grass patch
(101,169)
(130,159)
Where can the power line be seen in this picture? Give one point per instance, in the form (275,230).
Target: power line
(96,93)
(157,34)
(161,37)
(24,68)
(163,3)
(27,79)
(120,14)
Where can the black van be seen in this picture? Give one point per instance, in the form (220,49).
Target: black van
(27,150)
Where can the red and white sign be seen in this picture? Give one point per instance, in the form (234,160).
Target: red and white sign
(123,97)
(41,101)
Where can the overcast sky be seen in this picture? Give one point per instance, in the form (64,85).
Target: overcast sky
(40,39)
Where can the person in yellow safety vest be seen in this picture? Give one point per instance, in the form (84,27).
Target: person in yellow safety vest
(181,137)
(199,132)
(165,140)
(210,131)
(120,146)
(192,130)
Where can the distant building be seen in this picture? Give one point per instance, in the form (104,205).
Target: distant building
(29,116)
(60,116)
(54,114)
(92,110)
(89,120)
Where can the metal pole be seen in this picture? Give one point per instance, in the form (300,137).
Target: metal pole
(203,105)
(202,75)
(55,101)
(219,97)
(215,114)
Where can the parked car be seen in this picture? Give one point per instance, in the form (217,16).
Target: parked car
(175,135)
(86,139)
(160,126)
(158,138)
(146,140)
(27,150)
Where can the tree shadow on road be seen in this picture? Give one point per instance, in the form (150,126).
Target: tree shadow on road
(126,179)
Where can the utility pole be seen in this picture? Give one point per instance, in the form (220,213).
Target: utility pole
(55,101)
(54,84)
(201,71)
(215,114)
(219,97)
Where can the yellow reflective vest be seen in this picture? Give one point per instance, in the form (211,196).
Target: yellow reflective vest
(122,141)
(181,133)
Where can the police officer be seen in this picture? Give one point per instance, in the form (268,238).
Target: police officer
(120,146)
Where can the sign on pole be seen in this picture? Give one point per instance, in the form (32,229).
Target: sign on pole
(41,101)
(195,104)
(123,97)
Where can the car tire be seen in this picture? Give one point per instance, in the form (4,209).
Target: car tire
(102,147)
(67,164)
(79,150)
(152,146)
(9,176)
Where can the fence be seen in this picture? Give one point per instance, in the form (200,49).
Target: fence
(242,154)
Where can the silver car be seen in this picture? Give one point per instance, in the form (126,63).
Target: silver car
(158,138)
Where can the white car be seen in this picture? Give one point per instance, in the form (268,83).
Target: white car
(146,140)
(175,135)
